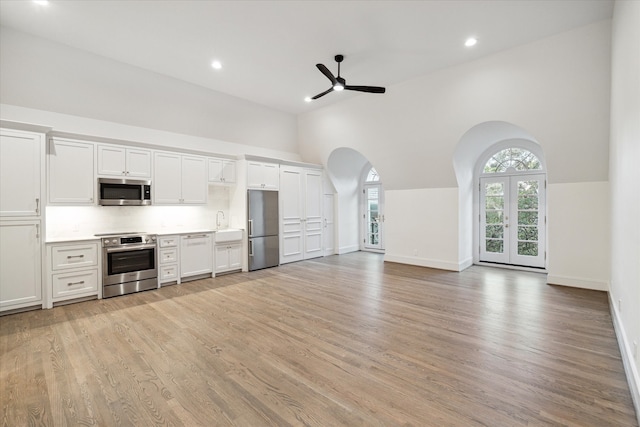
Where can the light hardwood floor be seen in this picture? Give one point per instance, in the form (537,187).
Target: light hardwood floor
(342,340)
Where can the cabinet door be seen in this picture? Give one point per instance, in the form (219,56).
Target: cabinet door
(111,160)
(255,175)
(167,182)
(215,170)
(194,180)
(271,176)
(196,254)
(21,164)
(71,172)
(235,256)
(20,264)
(138,163)
(312,213)
(291,214)
(229,171)
(222,258)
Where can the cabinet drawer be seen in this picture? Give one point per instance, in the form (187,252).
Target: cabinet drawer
(169,272)
(73,256)
(79,282)
(168,256)
(169,241)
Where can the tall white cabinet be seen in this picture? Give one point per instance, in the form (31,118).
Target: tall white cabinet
(300,213)
(21,234)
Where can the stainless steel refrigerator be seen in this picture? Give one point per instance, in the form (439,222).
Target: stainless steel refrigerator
(262,229)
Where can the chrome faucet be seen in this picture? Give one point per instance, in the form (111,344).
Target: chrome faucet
(218,218)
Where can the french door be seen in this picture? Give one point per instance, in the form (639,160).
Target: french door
(512,220)
(373,217)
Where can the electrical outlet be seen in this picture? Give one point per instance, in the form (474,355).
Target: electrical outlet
(635,350)
(619,306)
(415,252)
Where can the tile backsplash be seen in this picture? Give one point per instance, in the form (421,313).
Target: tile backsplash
(82,221)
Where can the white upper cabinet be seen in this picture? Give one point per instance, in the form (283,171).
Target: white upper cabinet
(222,171)
(21,164)
(263,176)
(194,180)
(119,161)
(71,172)
(179,179)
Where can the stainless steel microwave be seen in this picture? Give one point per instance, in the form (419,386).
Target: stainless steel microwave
(124,192)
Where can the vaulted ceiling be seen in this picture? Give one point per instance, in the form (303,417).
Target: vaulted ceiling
(268,49)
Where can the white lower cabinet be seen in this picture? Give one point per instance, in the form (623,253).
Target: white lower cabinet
(73,270)
(168,260)
(196,255)
(228,257)
(20,264)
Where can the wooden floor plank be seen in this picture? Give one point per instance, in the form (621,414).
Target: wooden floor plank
(341,340)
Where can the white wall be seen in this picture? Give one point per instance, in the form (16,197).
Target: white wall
(436,243)
(624,177)
(557,90)
(44,75)
(578,247)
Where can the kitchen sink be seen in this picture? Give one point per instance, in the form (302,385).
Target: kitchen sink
(228,235)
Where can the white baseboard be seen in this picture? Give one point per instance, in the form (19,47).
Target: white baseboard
(347,249)
(627,357)
(463,265)
(424,262)
(577,282)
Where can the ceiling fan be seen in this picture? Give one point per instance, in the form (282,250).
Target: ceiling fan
(339,83)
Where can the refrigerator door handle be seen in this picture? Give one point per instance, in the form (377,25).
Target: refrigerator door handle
(250,227)
(250,247)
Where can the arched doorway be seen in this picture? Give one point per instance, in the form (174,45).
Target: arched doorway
(348,171)
(512,207)
(475,148)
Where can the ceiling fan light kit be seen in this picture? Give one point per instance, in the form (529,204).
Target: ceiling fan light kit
(339,83)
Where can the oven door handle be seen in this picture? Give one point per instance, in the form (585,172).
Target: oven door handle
(130,248)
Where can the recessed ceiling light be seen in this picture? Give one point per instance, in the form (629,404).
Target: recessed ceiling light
(471,41)
(217,65)
(41,2)
(307,99)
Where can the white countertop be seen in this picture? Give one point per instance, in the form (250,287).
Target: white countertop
(73,237)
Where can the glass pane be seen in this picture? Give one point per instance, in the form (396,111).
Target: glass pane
(495,217)
(373,175)
(494,203)
(526,202)
(517,158)
(495,231)
(527,218)
(528,248)
(528,188)
(495,246)
(528,233)
(372,193)
(494,189)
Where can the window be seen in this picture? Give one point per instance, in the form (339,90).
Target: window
(372,176)
(516,159)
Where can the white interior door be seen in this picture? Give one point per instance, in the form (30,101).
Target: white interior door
(373,217)
(512,220)
(328,234)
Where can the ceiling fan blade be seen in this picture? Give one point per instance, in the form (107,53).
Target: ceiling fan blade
(324,70)
(370,89)
(323,93)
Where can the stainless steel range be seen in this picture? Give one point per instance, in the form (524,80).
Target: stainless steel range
(128,263)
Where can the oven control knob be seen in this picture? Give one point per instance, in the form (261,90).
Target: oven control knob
(153,238)
(106,241)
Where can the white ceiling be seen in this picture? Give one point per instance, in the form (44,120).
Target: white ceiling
(269,48)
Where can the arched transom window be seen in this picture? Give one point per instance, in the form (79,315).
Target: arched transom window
(515,159)
(373,176)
